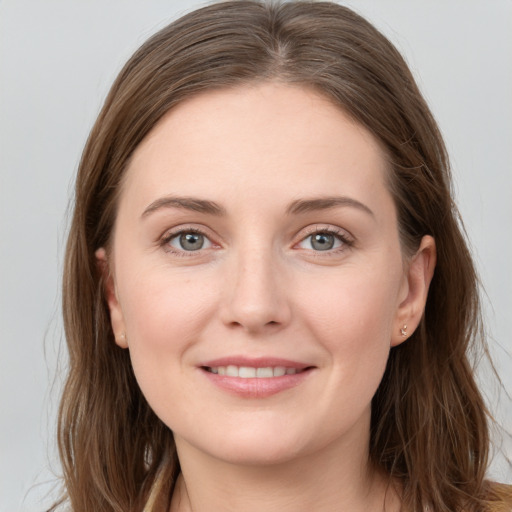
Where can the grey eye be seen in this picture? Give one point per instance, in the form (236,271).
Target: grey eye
(321,241)
(189,241)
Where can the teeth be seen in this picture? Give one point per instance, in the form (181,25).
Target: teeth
(264,372)
(279,371)
(232,371)
(247,372)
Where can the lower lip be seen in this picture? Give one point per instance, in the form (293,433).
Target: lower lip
(256,387)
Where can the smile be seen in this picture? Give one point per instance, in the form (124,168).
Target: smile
(258,377)
(249,372)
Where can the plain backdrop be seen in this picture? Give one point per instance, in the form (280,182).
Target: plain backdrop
(57,60)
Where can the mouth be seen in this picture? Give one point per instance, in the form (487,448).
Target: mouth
(250,378)
(253,372)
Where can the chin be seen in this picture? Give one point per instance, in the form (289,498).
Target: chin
(258,454)
(256,447)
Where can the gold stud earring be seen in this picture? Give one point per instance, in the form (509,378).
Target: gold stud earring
(403,330)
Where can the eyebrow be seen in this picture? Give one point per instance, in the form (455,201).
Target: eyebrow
(326,203)
(296,207)
(186,203)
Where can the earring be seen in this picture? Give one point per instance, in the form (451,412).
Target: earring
(121,337)
(403,330)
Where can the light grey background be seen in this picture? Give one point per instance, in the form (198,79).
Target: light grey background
(57,60)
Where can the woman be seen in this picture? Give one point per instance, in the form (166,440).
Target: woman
(268,300)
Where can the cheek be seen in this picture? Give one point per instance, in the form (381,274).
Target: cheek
(164,313)
(351,304)
(352,322)
(352,316)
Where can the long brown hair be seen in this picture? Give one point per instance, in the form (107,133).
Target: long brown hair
(429,422)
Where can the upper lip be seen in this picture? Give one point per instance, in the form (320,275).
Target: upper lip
(257,362)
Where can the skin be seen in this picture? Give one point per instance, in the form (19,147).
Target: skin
(258,287)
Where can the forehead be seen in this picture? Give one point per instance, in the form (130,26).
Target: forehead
(273,136)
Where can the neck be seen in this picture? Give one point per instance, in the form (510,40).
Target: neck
(338,477)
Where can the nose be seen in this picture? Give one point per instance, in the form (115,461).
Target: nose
(256,299)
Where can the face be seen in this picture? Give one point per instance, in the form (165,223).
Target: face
(257,273)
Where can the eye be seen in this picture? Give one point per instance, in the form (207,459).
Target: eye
(323,240)
(189,241)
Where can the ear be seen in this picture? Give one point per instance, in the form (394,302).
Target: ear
(413,295)
(109,289)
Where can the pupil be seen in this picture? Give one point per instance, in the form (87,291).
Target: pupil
(191,241)
(322,242)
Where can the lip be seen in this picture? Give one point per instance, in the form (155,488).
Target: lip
(259,387)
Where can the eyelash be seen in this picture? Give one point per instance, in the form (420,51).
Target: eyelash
(339,234)
(166,239)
